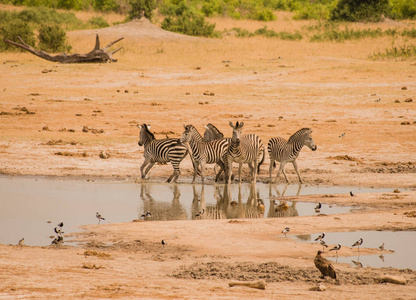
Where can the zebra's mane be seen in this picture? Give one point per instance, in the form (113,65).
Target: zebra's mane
(298,133)
(148,133)
(215,130)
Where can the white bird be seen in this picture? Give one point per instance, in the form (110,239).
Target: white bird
(318,206)
(164,243)
(324,245)
(378,100)
(201,212)
(286,230)
(146,214)
(381,247)
(320,237)
(336,248)
(99,217)
(352,194)
(21,242)
(358,243)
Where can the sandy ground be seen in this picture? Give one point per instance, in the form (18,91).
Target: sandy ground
(56,120)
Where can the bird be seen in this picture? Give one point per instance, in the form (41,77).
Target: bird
(320,237)
(324,245)
(381,246)
(357,263)
(336,248)
(378,100)
(58,240)
(164,243)
(352,194)
(200,213)
(60,224)
(21,242)
(318,206)
(324,266)
(58,230)
(358,243)
(99,217)
(286,230)
(342,135)
(146,214)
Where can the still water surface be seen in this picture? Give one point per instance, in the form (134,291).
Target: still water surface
(31,207)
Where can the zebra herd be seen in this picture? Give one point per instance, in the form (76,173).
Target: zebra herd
(213,148)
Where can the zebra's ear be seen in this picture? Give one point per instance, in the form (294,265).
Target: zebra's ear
(184,126)
(241,124)
(148,126)
(206,127)
(231,124)
(140,127)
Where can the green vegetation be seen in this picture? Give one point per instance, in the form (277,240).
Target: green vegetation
(361,10)
(283,35)
(11,30)
(405,51)
(52,38)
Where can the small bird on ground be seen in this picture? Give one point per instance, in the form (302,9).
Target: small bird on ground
(336,248)
(58,230)
(352,194)
(320,237)
(324,266)
(357,263)
(146,214)
(358,244)
(381,247)
(318,206)
(21,242)
(58,240)
(164,243)
(378,100)
(286,230)
(60,224)
(200,213)
(342,135)
(99,217)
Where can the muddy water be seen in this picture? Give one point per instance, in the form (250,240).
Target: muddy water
(31,207)
(399,248)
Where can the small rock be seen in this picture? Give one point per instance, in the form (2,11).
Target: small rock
(397,101)
(319,288)
(404,88)
(85,129)
(393,279)
(46,128)
(408,100)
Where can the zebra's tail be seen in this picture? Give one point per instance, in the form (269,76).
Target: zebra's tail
(262,160)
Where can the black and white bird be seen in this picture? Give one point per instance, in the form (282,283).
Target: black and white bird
(164,243)
(201,212)
(358,243)
(58,230)
(60,224)
(146,214)
(352,194)
(320,237)
(58,240)
(286,230)
(378,100)
(318,206)
(21,242)
(342,135)
(357,263)
(99,217)
(336,248)
(324,266)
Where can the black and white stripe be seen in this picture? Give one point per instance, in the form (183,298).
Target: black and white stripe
(284,151)
(160,151)
(245,148)
(213,152)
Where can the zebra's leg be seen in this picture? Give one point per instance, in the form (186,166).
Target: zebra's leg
(202,171)
(240,165)
(176,171)
(281,170)
(145,163)
(222,168)
(230,169)
(271,169)
(295,165)
(196,171)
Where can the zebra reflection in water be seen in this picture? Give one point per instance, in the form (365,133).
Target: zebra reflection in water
(278,206)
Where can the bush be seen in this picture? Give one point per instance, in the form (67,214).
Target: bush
(52,38)
(189,23)
(360,10)
(12,30)
(403,9)
(98,22)
(139,7)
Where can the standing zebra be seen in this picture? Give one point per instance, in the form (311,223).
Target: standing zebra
(203,153)
(244,149)
(287,151)
(160,151)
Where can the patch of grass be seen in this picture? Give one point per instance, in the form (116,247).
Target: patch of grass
(284,35)
(404,52)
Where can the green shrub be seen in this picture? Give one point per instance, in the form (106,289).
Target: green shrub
(105,5)
(189,23)
(11,30)
(403,9)
(139,7)
(98,22)
(52,38)
(283,35)
(405,51)
(360,10)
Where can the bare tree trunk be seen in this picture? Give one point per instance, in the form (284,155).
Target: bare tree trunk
(97,55)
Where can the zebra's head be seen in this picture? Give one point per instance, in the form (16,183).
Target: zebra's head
(308,140)
(186,135)
(145,134)
(237,129)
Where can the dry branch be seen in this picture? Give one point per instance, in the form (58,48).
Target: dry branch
(97,55)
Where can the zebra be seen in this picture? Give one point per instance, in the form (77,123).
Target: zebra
(203,153)
(212,133)
(288,151)
(244,149)
(160,151)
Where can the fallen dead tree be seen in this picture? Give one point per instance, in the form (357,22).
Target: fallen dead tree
(97,55)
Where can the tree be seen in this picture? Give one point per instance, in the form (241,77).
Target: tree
(361,10)
(139,8)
